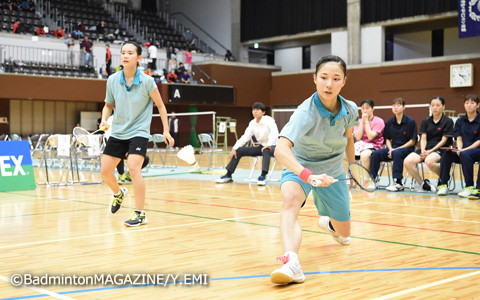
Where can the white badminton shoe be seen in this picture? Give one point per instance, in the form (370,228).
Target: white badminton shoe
(323,224)
(290,272)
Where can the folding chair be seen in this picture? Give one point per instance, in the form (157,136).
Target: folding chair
(57,154)
(88,149)
(422,173)
(157,140)
(268,178)
(385,165)
(207,147)
(36,145)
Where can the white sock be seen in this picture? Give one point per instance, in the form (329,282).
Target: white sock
(292,256)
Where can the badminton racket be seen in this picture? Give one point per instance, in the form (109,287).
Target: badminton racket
(79,131)
(81,134)
(359,174)
(449,149)
(187,154)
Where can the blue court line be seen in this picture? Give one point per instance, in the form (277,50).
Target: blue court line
(246,277)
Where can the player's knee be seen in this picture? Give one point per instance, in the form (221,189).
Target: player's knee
(292,201)
(105,172)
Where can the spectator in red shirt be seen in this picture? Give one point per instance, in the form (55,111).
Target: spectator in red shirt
(16,26)
(59,33)
(39,31)
(108,59)
(172,76)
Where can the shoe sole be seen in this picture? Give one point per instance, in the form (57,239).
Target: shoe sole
(136,225)
(280,278)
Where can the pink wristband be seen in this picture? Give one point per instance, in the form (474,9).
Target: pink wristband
(305,174)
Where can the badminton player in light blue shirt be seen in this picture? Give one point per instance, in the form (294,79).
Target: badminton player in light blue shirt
(130,93)
(312,146)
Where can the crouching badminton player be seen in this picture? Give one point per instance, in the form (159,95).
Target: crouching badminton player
(312,146)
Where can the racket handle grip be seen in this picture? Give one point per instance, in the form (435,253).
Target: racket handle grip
(317,182)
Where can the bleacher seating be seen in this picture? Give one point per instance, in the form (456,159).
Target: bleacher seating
(86,16)
(73,15)
(28,19)
(50,69)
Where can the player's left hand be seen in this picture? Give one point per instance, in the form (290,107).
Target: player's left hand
(265,147)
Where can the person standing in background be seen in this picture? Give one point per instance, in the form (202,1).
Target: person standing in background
(173,125)
(108,59)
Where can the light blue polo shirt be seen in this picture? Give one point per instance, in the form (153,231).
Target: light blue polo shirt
(319,136)
(133,105)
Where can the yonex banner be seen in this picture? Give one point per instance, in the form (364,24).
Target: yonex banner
(468,18)
(16,170)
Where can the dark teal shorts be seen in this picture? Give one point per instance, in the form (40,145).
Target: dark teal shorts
(332,201)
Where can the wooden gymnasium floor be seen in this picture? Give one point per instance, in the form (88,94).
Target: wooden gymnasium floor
(404,246)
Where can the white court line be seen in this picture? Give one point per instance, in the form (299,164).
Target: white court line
(132,231)
(415,216)
(42,291)
(427,286)
(412,206)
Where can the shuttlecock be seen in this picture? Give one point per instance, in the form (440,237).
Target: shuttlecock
(187,154)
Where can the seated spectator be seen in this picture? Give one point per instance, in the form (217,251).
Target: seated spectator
(148,71)
(181,69)
(229,56)
(101,27)
(81,26)
(77,34)
(185,77)
(40,31)
(436,132)
(368,134)
(59,33)
(265,131)
(467,137)
(172,76)
(27,6)
(16,27)
(400,138)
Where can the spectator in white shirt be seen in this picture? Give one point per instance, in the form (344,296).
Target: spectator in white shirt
(265,131)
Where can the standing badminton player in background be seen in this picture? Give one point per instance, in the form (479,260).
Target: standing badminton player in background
(130,93)
(312,146)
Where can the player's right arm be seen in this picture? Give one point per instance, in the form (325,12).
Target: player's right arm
(106,113)
(284,154)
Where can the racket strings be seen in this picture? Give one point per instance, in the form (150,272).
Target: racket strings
(362,177)
(79,131)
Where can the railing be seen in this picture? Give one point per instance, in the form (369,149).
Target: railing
(200,79)
(45,56)
(199,43)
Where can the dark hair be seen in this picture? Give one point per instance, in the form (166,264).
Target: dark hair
(369,102)
(331,58)
(442,100)
(259,105)
(473,97)
(139,49)
(399,101)
(107,45)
